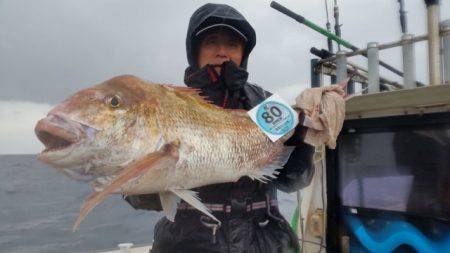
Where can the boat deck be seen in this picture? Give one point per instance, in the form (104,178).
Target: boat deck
(137,249)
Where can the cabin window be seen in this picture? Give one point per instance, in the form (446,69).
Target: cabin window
(405,171)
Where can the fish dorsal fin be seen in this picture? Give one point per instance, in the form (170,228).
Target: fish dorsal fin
(169,203)
(196,94)
(192,199)
(166,157)
(192,92)
(270,172)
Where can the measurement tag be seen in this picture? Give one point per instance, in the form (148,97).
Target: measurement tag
(274,116)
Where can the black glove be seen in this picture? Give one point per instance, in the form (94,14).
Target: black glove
(144,201)
(233,76)
(299,133)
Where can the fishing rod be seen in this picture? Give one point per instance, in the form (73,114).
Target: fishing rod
(337,26)
(328,24)
(310,24)
(402,12)
(303,20)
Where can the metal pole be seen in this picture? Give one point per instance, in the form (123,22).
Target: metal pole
(403,23)
(445,25)
(310,24)
(409,62)
(337,26)
(374,67)
(329,41)
(332,36)
(341,66)
(434,62)
(381,47)
(325,54)
(351,87)
(315,77)
(364,88)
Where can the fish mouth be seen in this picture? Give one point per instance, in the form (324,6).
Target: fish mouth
(58,133)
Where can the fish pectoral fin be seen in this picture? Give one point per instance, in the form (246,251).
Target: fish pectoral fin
(169,203)
(167,156)
(270,171)
(192,199)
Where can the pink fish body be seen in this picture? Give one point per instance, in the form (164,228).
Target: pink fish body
(129,136)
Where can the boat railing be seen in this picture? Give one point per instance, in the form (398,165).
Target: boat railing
(339,66)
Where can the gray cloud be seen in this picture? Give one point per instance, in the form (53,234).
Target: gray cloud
(49,49)
(17,127)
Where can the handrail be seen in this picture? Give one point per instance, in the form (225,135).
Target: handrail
(443,33)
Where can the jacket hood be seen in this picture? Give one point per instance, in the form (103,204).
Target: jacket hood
(211,14)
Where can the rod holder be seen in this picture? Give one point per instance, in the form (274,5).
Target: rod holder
(316,78)
(341,66)
(434,60)
(374,67)
(445,25)
(409,62)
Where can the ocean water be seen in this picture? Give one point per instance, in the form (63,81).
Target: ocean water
(38,207)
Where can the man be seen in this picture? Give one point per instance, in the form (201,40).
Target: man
(219,41)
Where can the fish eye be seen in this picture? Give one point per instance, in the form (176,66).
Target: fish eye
(114,101)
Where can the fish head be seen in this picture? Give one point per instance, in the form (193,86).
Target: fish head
(99,130)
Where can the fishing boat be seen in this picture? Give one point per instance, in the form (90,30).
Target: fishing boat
(385,187)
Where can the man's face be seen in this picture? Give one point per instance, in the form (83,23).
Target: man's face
(220,46)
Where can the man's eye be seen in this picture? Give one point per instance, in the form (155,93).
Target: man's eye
(233,43)
(210,42)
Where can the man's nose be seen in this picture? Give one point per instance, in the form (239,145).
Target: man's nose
(222,51)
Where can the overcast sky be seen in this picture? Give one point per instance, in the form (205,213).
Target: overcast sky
(51,48)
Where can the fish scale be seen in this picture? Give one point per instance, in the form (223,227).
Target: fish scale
(158,139)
